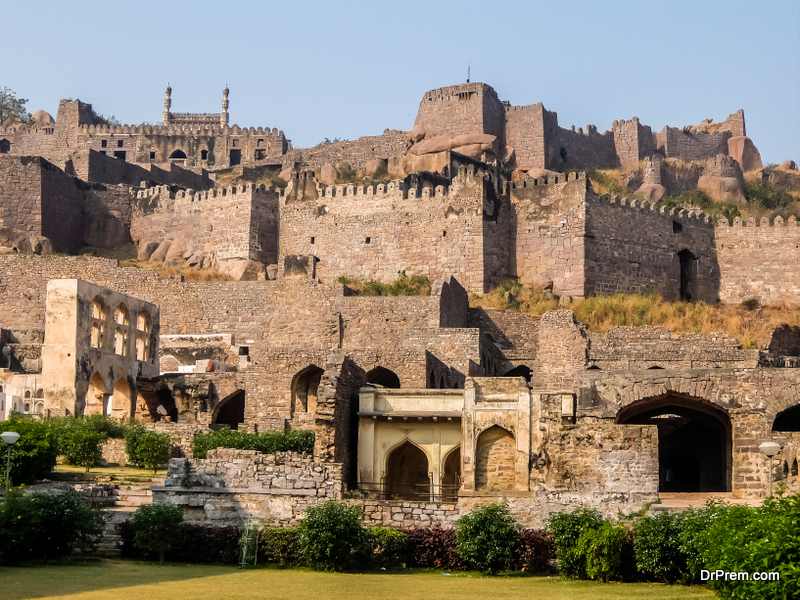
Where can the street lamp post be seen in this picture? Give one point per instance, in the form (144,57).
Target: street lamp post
(770,449)
(10,438)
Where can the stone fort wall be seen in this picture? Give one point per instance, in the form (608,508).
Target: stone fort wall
(633,247)
(376,233)
(758,260)
(223,223)
(468,108)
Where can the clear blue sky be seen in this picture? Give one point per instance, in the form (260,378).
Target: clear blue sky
(319,69)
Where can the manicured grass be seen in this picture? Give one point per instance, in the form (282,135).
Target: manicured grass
(123,580)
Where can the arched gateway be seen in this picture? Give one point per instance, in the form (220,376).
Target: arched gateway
(694,441)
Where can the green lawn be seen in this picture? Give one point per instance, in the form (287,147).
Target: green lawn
(123,580)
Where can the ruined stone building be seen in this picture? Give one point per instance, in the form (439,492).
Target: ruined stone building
(421,398)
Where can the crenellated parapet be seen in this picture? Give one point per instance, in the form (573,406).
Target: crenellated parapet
(686,216)
(178,129)
(753,222)
(246,190)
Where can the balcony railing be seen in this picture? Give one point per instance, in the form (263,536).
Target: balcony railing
(412,492)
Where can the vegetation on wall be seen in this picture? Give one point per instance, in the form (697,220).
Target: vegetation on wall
(749,322)
(404,285)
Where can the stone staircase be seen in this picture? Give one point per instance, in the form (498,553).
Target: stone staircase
(678,501)
(122,495)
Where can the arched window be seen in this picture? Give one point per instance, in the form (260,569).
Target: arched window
(143,322)
(121,341)
(121,315)
(177,155)
(5,146)
(304,389)
(98,309)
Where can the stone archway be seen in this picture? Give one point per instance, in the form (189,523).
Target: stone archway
(384,377)
(305,387)
(495,452)
(121,405)
(407,473)
(95,400)
(694,441)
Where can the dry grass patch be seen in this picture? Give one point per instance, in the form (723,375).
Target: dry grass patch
(748,322)
(187,273)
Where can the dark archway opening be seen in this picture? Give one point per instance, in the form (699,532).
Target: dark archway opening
(407,473)
(519,371)
(5,146)
(451,476)
(230,411)
(383,377)
(166,407)
(694,442)
(787,420)
(688,275)
(236,157)
(178,155)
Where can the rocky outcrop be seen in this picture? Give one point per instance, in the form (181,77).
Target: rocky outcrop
(15,241)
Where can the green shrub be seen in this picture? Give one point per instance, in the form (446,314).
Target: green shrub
(157,528)
(268,443)
(567,529)
(147,449)
(387,547)
(47,525)
(760,539)
(282,545)
(486,535)
(657,545)
(693,536)
(34,455)
(602,550)
(768,196)
(82,447)
(330,533)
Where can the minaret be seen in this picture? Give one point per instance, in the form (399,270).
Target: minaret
(167,104)
(223,117)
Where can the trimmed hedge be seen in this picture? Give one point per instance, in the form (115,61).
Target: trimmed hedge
(34,455)
(268,443)
(195,544)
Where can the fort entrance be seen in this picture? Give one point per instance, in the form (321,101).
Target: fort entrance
(694,441)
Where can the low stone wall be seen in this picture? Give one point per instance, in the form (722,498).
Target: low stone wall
(236,484)
(408,515)
(114,452)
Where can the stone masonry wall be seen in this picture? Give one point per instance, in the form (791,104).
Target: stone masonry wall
(759,260)
(549,223)
(467,108)
(624,348)
(378,233)
(223,224)
(633,248)
(525,134)
(675,143)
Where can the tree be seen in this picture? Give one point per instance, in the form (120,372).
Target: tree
(157,528)
(12,109)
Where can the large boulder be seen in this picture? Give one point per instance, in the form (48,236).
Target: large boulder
(243,270)
(722,189)
(16,241)
(176,251)
(146,250)
(652,192)
(468,141)
(328,174)
(160,253)
(744,151)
